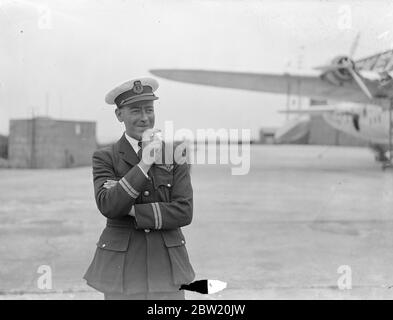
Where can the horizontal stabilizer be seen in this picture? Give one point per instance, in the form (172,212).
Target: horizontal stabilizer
(311,111)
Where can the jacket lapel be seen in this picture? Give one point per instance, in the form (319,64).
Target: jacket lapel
(126,151)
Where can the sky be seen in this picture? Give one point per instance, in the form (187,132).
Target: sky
(60,58)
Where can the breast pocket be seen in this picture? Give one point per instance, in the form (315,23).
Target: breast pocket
(163,184)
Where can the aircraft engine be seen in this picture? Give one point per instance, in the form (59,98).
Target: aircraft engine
(338,71)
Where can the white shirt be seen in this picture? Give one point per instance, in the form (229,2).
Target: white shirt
(134,144)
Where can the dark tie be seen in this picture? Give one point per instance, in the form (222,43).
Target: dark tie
(139,150)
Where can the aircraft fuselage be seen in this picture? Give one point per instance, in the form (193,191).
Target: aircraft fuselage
(365,121)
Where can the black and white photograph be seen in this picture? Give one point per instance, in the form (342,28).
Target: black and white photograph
(202,150)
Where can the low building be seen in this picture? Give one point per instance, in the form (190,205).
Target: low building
(266,135)
(3,147)
(48,143)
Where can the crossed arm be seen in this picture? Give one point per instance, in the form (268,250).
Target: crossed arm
(116,199)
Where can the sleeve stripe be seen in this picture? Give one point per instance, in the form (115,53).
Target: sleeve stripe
(132,195)
(159,215)
(155,216)
(129,186)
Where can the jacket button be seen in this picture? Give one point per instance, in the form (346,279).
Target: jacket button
(146,193)
(147,230)
(169,185)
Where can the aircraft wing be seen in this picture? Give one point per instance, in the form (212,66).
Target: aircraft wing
(319,110)
(312,86)
(379,62)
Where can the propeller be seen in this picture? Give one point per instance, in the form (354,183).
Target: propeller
(360,82)
(346,64)
(354,46)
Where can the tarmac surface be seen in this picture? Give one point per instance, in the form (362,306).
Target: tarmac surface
(279,232)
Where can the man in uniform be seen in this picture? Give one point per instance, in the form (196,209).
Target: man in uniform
(141,253)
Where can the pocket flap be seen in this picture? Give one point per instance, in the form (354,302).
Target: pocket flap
(115,239)
(163,180)
(173,238)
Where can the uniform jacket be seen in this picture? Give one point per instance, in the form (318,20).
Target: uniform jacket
(146,253)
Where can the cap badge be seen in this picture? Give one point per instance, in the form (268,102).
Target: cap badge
(138,88)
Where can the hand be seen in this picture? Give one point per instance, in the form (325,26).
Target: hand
(151,134)
(110,184)
(152,148)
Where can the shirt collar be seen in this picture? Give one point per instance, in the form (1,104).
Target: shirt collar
(133,142)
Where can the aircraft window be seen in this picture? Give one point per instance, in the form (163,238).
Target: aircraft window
(355,120)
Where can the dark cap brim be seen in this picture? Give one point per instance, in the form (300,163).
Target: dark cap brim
(140,98)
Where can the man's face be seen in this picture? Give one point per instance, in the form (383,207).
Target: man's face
(137,117)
